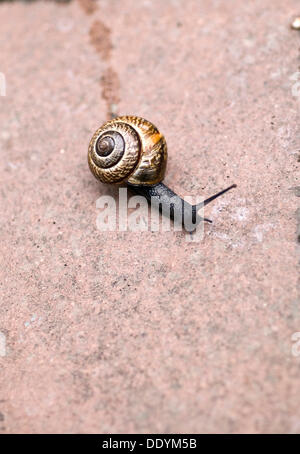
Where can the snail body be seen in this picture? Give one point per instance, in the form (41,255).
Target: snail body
(131,150)
(128,149)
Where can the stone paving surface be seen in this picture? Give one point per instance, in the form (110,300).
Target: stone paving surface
(146,332)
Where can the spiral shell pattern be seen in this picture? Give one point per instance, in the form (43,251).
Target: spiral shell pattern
(128,149)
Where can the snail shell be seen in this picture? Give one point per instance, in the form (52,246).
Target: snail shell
(128,149)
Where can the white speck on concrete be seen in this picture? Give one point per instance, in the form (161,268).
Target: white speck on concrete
(240,214)
(219,207)
(284,135)
(260,230)
(64,25)
(12,166)
(222,236)
(248,42)
(2,344)
(32,319)
(5,135)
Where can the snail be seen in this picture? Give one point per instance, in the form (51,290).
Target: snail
(131,150)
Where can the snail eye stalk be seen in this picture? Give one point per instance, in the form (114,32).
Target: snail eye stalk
(213,197)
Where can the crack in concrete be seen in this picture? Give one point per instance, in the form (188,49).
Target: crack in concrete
(100,38)
(88,6)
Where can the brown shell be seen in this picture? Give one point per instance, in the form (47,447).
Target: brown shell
(143,159)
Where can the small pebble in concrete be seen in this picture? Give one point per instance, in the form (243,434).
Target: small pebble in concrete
(296,23)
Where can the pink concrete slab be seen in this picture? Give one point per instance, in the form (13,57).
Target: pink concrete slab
(146,332)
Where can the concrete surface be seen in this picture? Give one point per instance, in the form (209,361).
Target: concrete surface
(127,332)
